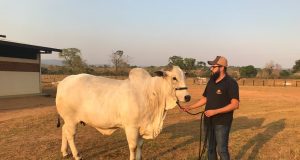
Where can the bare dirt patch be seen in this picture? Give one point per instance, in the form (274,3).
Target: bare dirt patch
(11,108)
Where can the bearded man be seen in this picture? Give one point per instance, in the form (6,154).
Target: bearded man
(221,97)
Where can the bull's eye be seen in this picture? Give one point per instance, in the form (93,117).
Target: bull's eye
(174,78)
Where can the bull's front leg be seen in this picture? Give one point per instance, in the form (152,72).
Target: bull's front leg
(132,134)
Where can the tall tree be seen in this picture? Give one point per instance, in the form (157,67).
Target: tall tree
(183,63)
(285,74)
(248,71)
(271,70)
(73,61)
(189,63)
(276,71)
(118,59)
(177,61)
(200,64)
(296,67)
(268,69)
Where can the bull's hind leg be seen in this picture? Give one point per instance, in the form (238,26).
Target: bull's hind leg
(139,148)
(64,142)
(69,129)
(132,139)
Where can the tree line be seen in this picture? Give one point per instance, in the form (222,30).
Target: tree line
(73,63)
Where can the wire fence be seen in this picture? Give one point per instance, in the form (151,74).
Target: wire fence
(51,80)
(256,82)
(48,80)
(270,82)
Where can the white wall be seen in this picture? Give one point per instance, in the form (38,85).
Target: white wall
(19,83)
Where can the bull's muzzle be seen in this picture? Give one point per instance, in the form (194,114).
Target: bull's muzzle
(187,98)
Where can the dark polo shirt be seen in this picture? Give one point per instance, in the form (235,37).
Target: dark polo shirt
(219,95)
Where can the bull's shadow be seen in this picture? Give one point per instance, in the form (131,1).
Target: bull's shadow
(192,129)
(105,147)
(189,129)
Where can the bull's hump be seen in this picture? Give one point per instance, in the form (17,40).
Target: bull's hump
(137,74)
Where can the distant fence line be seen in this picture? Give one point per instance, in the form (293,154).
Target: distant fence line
(58,77)
(257,82)
(48,79)
(270,82)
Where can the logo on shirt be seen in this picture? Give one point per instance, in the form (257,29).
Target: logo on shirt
(219,91)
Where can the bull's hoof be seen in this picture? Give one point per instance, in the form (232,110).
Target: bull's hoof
(67,156)
(78,157)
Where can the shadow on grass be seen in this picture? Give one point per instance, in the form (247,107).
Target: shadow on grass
(109,147)
(260,139)
(192,129)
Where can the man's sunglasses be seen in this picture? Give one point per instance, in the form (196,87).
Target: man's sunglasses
(215,66)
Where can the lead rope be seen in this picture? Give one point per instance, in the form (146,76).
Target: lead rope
(201,151)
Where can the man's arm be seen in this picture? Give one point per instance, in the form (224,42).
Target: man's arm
(199,103)
(234,104)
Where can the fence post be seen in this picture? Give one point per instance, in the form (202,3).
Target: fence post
(253,82)
(263,82)
(243,82)
(285,82)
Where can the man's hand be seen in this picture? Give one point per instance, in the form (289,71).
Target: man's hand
(230,107)
(210,113)
(185,108)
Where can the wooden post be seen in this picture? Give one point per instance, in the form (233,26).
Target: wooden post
(243,82)
(263,82)
(285,82)
(253,82)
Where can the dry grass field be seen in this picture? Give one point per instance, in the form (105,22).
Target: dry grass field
(267,126)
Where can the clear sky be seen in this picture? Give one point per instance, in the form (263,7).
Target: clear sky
(247,32)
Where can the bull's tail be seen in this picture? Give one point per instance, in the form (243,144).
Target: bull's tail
(58,121)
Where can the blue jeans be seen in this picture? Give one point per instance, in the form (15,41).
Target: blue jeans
(218,137)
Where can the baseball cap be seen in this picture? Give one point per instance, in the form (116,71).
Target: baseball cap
(219,60)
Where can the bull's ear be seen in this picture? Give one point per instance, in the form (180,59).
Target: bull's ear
(160,73)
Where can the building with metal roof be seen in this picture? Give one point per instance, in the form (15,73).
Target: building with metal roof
(20,68)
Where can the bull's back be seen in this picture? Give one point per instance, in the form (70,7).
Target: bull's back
(87,98)
(77,89)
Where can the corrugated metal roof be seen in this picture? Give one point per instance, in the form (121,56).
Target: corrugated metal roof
(43,50)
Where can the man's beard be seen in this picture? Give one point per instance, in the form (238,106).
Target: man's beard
(215,76)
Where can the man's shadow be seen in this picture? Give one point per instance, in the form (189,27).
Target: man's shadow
(260,139)
(192,129)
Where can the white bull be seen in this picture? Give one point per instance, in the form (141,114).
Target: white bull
(137,104)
